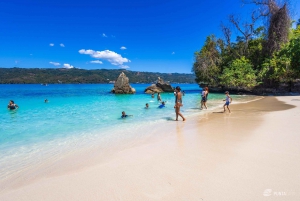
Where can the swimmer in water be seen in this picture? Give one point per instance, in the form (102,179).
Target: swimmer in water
(162,105)
(11,105)
(124,115)
(147,106)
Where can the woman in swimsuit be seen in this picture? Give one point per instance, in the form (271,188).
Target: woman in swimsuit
(178,103)
(11,105)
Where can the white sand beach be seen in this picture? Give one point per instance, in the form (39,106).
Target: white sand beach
(250,154)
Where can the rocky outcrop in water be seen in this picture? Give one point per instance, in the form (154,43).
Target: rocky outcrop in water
(122,85)
(159,87)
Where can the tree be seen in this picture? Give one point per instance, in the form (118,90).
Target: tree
(239,74)
(207,61)
(278,23)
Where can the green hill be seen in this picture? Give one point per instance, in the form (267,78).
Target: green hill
(74,75)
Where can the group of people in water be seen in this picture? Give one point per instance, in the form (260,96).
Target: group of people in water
(178,102)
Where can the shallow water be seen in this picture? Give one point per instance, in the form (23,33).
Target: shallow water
(79,115)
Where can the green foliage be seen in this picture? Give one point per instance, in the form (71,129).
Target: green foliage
(207,61)
(284,65)
(247,63)
(239,73)
(40,75)
(294,50)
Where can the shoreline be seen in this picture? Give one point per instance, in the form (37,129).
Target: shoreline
(98,140)
(187,153)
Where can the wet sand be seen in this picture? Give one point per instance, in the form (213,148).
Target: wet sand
(250,154)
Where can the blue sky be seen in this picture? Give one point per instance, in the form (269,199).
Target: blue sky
(153,35)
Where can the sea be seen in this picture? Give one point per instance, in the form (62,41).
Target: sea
(81,115)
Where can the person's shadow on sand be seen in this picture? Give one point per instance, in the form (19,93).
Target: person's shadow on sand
(168,118)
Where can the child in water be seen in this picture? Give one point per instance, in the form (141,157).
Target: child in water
(228,100)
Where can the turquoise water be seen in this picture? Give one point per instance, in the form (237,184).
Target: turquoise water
(79,114)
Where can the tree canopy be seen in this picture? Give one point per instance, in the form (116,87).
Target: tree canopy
(266,51)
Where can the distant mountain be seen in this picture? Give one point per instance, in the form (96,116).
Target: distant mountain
(75,75)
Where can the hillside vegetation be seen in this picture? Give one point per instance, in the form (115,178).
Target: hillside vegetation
(74,75)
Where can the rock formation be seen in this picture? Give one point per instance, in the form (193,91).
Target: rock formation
(122,86)
(159,87)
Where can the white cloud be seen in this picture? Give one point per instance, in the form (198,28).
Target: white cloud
(96,62)
(104,35)
(68,66)
(51,44)
(123,48)
(54,63)
(83,51)
(124,66)
(173,52)
(62,45)
(113,57)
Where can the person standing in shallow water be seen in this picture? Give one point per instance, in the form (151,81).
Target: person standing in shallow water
(178,103)
(204,98)
(158,97)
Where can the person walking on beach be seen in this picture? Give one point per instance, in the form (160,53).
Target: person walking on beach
(178,103)
(158,97)
(11,105)
(228,100)
(204,98)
